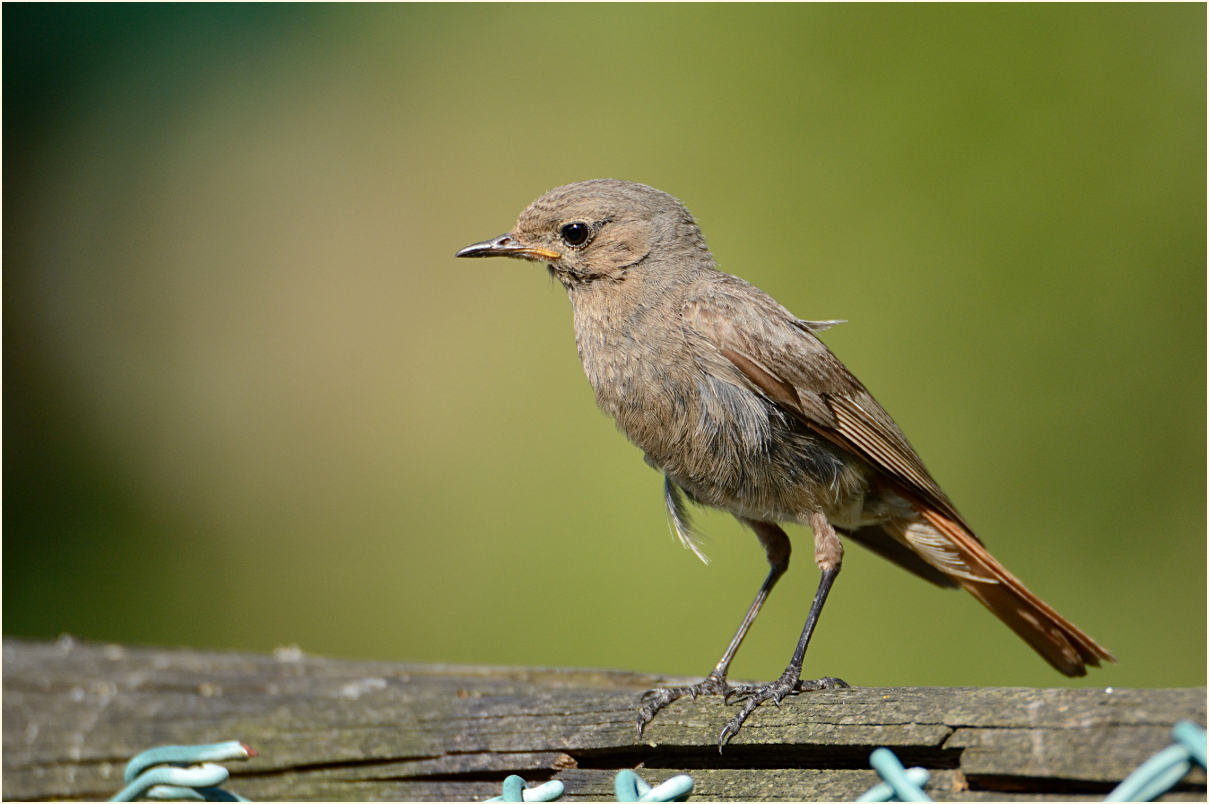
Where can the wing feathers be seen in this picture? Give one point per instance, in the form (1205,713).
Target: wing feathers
(748,332)
(887,447)
(779,355)
(779,391)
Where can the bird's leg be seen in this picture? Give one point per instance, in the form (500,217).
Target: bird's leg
(776,546)
(828,554)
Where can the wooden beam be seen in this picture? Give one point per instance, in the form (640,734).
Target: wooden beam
(344,730)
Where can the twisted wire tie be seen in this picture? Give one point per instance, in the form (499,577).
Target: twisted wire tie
(160,773)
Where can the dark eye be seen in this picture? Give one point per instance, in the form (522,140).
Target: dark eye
(575,234)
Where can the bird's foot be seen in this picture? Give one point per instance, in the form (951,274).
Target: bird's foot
(787,684)
(656,699)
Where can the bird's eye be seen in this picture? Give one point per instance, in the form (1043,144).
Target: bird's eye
(575,234)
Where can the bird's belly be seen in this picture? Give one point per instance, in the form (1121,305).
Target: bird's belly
(795,480)
(746,457)
(727,446)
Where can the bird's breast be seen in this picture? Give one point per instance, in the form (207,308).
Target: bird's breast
(727,445)
(642,374)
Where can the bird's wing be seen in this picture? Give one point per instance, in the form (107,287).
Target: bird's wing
(780,356)
(744,336)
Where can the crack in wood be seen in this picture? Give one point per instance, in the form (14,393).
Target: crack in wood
(414,737)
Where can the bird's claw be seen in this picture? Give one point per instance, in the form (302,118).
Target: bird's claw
(655,699)
(787,684)
(725,736)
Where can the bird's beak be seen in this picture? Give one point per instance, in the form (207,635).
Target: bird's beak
(507,246)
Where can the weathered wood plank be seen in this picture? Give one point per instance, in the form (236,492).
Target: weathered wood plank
(1103,755)
(341,730)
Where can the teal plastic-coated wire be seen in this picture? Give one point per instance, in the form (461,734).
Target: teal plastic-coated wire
(884,792)
(186,755)
(515,790)
(166,792)
(161,773)
(903,785)
(1157,775)
(1192,737)
(629,786)
(201,776)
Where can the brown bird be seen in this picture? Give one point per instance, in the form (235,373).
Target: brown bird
(743,408)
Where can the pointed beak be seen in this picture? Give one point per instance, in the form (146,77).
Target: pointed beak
(507,246)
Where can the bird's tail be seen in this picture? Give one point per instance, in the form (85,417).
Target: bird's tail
(961,556)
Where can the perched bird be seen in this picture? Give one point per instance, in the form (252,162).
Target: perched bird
(742,408)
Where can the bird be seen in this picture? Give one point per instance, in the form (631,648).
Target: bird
(742,408)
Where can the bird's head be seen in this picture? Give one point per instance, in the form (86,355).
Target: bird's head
(599,229)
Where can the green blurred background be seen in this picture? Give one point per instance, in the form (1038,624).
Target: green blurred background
(250,398)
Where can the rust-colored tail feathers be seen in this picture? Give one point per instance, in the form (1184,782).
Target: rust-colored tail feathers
(1059,641)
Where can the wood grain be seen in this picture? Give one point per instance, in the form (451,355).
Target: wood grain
(343,730)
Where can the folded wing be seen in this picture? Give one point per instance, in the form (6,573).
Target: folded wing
(743,335)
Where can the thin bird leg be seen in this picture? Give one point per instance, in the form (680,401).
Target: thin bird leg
(828,555)
(776,546)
